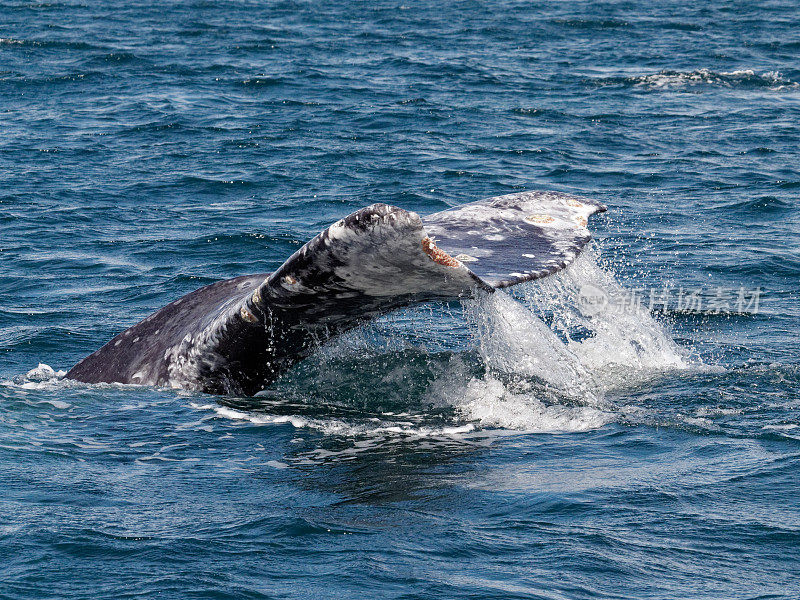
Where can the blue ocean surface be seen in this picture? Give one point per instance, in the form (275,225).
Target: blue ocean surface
(561,440)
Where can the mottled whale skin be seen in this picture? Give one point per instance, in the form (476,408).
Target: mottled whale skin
(237,336)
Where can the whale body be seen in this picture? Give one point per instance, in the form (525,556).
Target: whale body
(238,335)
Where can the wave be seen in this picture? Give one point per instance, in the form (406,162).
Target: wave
(261,80)
(674,80)
(592,23)
(758,206)
(58,44)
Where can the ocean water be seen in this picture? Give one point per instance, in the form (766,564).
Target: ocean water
(559,440)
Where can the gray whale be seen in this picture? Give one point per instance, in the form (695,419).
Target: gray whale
(237,336)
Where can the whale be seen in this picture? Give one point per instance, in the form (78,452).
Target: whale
(237,336)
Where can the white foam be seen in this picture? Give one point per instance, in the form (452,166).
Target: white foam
(679,79)
(490,403)
(44,373)
(43,377)
(339,427)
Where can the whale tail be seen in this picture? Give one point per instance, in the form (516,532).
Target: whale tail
(236,336)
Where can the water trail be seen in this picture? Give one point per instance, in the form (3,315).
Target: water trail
(404,424)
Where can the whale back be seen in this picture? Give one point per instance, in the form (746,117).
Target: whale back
(137,354)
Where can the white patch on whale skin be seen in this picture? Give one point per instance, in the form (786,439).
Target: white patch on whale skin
(538,219)
(196,354)
(338,231)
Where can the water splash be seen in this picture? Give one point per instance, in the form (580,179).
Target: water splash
(569,329)
(511,339)
(556,348)
(601,324)
(43,372)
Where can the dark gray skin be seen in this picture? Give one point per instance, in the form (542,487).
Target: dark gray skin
(145,344)
(237,336)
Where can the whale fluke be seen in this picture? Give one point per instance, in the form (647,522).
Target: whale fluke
(237,336)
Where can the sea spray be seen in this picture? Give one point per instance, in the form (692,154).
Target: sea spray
(602,324)
(554,349)
(512,339)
